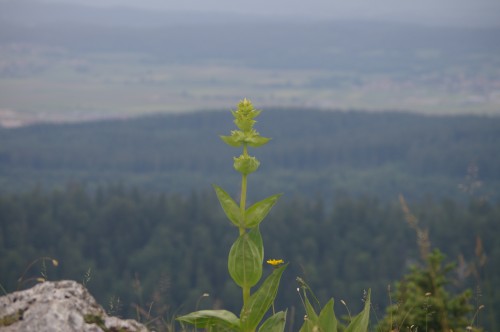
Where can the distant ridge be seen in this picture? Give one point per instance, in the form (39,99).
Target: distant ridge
(38,13)
(426,12)
(311,151)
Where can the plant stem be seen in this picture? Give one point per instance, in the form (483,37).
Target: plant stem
(243,202)
(243,199)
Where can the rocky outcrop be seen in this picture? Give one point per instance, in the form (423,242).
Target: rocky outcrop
(60,306)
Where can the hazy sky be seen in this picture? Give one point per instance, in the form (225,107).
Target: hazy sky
(454,12)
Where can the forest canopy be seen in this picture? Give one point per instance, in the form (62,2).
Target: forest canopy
(311,152)
(144,248)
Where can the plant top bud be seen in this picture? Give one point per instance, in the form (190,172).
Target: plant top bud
(244,120)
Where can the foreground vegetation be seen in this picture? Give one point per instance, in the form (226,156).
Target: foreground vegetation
(133,247)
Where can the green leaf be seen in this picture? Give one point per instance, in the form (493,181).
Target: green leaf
(256,238)
(257,141)
(261,300)
(311,321)
(214,320)
(245,261)
(309,325)
(244,123)
(231,140)
(327,320)
(229,206)
(360,322)
(275,323)
(311,313)
(257,212)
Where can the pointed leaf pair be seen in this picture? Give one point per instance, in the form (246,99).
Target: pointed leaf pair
(212,320)
(311,318)
(311,321)
(275,323)
(257,212)
(360,322)
(261,300)
(245,259)
(325,322)
(231,140)
(327,319)
(257,141)
(229,206)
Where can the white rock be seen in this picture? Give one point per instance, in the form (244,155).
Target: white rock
(60,306)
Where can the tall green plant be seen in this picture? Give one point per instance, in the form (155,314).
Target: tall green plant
(246,255)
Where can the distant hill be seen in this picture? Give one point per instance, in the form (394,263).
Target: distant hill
(312,152)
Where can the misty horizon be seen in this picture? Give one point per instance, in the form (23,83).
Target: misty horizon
(63,61)
(426,12)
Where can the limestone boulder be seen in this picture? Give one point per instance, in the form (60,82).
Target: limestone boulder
(60,306)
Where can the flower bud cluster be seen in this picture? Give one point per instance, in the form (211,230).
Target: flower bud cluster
(246,136)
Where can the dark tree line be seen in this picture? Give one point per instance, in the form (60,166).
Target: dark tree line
(312,152)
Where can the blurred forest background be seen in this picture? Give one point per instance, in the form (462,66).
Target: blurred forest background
(109,124)
(127,205)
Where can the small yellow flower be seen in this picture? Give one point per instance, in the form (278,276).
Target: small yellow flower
(275,262)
